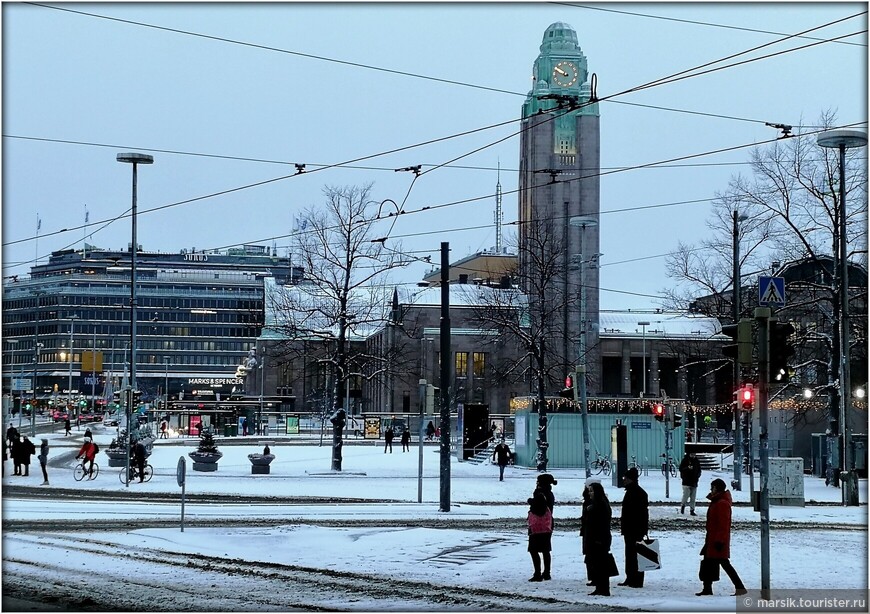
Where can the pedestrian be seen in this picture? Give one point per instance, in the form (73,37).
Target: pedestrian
(493,429)
(12,435)
(430,430)
(163,430)
(717,541)
(245,426)
(597,539)
(502,455)
(388,439)
(633,525)
(3,466)
(88,452)
(66,427)
(17,449)
(690,473)
(587,498)
(43,460)
(88,433)
(406,440)
(540,520)
(27,450)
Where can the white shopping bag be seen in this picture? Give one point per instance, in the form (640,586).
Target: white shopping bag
(648,555)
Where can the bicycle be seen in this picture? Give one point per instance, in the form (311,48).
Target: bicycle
(602,463)
(634,463)
(79,472)
(669,466)
(134,474)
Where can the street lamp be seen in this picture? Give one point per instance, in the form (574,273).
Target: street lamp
(14,343)
(135,159)
(841,140)
(583,222)
(735,303)
(643,326)
(70,358)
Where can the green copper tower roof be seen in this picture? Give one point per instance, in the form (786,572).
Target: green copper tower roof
(560,69)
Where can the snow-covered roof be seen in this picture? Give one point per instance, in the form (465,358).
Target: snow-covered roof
(662,325)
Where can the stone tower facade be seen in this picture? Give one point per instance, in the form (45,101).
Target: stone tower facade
(559,188)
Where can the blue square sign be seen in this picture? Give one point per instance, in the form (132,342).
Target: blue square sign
(771,291)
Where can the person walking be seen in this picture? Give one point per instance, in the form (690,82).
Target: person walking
(502,455)
(540,519)
(633,525)
(406,440)
(27,450)
(690,473)
(597,539)
(244,426)
(430,430)
(163,430)
(139,454)
(43,460)
(66,427)
(717,541)
(88,433)
(388,439)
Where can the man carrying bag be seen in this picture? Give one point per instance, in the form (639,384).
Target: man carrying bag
(634,525)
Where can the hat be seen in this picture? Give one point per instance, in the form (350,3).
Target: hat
(546,478)
(631,474)
(592,481)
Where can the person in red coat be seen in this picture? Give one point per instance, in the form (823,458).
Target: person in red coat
(89,452)
(717,543)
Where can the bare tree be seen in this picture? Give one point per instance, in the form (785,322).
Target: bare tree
(344,295)
(532,319)
(792,196)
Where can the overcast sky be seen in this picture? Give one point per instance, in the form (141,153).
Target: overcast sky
(229,95)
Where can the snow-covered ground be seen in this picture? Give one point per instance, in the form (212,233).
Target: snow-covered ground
(803,556)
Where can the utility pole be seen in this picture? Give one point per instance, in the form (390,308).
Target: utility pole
(422,394)
(737,430)
(762,315)
(446,386)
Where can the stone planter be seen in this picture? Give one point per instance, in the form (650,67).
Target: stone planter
(205,461)
(118,456)
(260,463)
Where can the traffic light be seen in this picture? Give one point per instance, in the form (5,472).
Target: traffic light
(83,403)
(779,350)
(658,411)
(747,397)
(676,419)
(568,390)
(741,349)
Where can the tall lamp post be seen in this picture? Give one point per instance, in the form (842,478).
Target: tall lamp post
(135,159)
(643,326)
(842,140)
(14,344)
(737,430)
(583,222)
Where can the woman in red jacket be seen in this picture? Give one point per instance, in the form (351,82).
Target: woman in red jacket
(89,451)
(717,544)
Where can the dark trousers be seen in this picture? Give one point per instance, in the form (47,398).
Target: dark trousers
(388,444)
(44,472)
(536,563)
(501,472)
(406,447)
(726,566)
(633,577)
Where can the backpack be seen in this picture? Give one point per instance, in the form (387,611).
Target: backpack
(96,448)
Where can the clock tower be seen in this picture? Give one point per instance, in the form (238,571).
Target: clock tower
(559,169)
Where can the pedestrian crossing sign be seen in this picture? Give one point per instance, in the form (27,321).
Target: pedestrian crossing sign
(771,291)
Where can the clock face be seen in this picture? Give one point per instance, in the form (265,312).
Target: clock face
(565,74)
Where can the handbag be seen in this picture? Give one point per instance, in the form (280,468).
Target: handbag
(612,569)
(540,524)
(709,570)
(648,555)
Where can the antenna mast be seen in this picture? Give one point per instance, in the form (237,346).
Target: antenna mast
(499,214)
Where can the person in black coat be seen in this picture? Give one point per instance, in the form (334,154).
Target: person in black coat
(633,525)
(541,504)
(597,539)
(690,473)
(502,455)
(16,449)
(406,440)
(388,439)
(27,450)
(66,427)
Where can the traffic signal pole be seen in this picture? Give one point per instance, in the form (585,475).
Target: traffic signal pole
(762,315)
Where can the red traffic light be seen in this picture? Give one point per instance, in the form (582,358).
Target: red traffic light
(747,397)
(569,381)
(658,411)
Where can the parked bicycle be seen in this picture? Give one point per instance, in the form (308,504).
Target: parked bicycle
(134,474)
(601,464)
(668,466)
(79,472)
(634,463)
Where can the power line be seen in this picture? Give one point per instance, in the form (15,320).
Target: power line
(690,21)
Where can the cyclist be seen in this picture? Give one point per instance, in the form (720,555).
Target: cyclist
(89,452)
(138,453)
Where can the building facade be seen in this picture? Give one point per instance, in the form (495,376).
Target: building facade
(66,328)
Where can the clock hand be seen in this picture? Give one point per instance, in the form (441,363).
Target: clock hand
(560,71)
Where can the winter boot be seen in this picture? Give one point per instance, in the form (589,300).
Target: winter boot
(682,509)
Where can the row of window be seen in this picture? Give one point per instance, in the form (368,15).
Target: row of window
(222,358)
(478,366)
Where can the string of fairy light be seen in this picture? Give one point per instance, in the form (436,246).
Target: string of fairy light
(644,406)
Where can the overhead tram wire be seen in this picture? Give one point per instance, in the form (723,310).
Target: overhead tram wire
(690,21)
(378,68)
(673,77)
(472,199)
